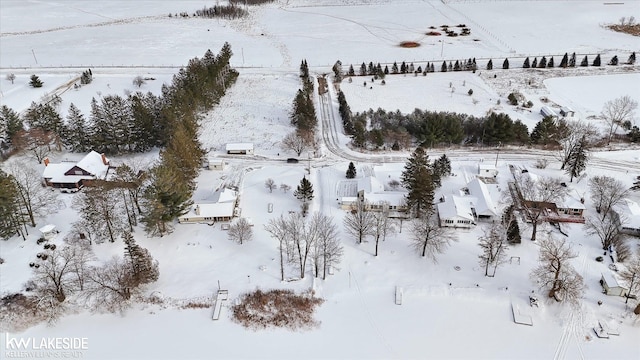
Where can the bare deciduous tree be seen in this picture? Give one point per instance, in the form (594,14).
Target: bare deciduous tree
(616,112)
(11,77)
(241,231)
(294,142)
(359,221)
(285,188)
(110,287)
(572,138)
(381,223)
(270,184)
(631,276)
(326,249)
(100,210)
(36,142)
(606,229)
(606,192)
(34,199)
(538,193)
(555,274)
(494,248)
(60,272)
(278,229)
(429,239)
(138,81)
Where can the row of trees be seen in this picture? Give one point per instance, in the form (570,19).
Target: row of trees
(302,116)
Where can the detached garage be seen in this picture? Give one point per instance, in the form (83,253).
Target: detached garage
(611,285)
(240,148)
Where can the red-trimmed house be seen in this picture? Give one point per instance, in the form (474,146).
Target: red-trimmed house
(72,176)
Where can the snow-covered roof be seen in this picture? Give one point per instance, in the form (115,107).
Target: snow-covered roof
(394,198)
(612,280)
(93,164)
(55,171)
(210,210)
(483,202)
(455,206)
(226,195)
(570,202)
(239,146)
(370,185)
(47,228)
(629,211)
(486,166)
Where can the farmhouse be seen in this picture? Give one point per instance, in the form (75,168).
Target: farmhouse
(627,215)
(481,199)
(72,175)
(611,285)
(224,209)
(240,148)
(547,111)
(371,191)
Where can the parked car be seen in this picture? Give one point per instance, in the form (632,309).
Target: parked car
(292,160)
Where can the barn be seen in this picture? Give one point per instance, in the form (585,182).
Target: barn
(547,111)
(240,148)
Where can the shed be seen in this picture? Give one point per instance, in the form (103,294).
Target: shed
(566,111)
(48,231)
(547,111)
(611,285)
(487,170)
(240,148)
(215,164)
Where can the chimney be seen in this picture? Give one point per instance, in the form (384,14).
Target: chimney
(197,210)
(104,159)
(46,161)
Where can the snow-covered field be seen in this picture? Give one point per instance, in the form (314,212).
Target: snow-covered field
(446,312)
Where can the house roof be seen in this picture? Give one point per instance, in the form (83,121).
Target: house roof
(629,210)
(52,171)
(370,185)
(455,206)
(226,195)
(483,201)
(612,280)
(93,164)
(47,228)
(210,210)
(239,146)
(394,198)
(570,202)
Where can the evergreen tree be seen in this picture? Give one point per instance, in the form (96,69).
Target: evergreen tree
(513,232)
(450,66)
(304,69)
(10,219)
(545,132)
(543,62)
(403,68)
(10,123)
(394,68)
(526,64)
(632,59)
(304,191)
(490,65)
(143,268)
(596,61)
(505,64)
(444,66)
(614,60)
(565,61)
(534,63)
(352,72)
(363,70)
(578,160)
(456,67)
(584,62)
(77,134)
(432,68)
(86,77)
(351,171)
(35,82)
(371,69)
(417,178)
(441,169)
(550,63)
(572,60)
(386,70)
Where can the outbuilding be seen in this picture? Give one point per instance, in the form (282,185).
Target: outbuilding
(612,285)
(240,148)
(547,111)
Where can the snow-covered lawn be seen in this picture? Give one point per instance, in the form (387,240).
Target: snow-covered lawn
(449,309)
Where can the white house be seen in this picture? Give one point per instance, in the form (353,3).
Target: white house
(73,175)
(627,214)
(224,209)
(371,190)
(456,211)
(612,284)
(240,148)
(483,203)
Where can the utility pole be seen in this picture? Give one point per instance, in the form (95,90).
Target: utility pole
(633,277)
(34,56)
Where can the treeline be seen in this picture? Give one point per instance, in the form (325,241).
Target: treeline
(230,11)
(303,112)
(381,128)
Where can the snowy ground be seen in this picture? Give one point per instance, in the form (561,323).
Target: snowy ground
(446,313)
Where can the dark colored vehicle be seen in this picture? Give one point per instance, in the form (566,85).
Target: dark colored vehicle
(292,160)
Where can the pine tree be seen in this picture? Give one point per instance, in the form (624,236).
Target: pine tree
(596,61)
(505,64)
(550,63)
(614,60)
(632,59)
(572,60)
(513,232)
(386,69)
(417,178)
(143,268)
(577,160)
(351,171)
(11,123)
(10,218)
(363,70)
(77,133)
(565,61)
(86,77)
(490,65)
(352,72)
(543,62)
(441,169)
(394,68)
(304,191)
(444,66)
(35,82)
(584,62)
(456,67)
(534,63)
(526,64)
